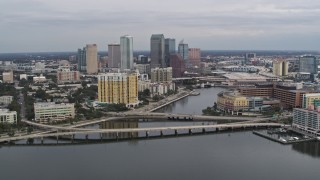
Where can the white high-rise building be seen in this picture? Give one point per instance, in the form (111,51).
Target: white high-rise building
(126,49)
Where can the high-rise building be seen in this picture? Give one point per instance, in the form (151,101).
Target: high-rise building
(183,50)
(177,64)
(248,57)
(280,68)
(126,50)
(307,119)
(143,68)
(92,58)
(7,77)
(88,59)
(161,74)
(49,112)
(308,64)
(170,48)
(118,88)
(114,56)
(81,57)
(157,51)
(194,56)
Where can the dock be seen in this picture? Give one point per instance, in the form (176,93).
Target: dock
(279,141)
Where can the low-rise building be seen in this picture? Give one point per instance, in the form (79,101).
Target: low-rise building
(7,116)
(7,77)
(6,100)
(232,102)
(156,88)
(51,112)
(65,75)
(161,74)
(40,78)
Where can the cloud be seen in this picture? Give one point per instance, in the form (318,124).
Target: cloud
(65,25)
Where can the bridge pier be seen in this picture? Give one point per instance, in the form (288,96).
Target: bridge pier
(147,134)
(176,132)
(100,136)
(217,129)
(161,133)
(203,130)
(117,136)
(41,140)
(190,131)
(57,139)
(87,136)
(72,138)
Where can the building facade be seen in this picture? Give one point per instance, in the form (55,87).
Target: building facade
(194,56)
(6,100)
(157,54)
(126,50)
(7,116)
(65,75)
(51,112)
(183,50)
(170,48)
(232,102)
(81,57)
(92,58)
(7,77)
(308,64)
(308,120)
(118,88)
(178,65)
(114,56)
(280,68)
(161,74)
(143,68)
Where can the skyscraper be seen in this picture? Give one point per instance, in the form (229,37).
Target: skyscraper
(183,50)
(170,48)
(92,58)
(114,55)
(157,51)
(194,56)
(81,57)
(126,50)
(308,64)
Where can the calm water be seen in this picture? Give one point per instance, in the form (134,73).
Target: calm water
(238,155)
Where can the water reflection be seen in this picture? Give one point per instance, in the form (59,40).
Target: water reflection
(310,148)
(119,125)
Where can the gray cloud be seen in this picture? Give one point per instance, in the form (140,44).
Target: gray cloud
(63,25)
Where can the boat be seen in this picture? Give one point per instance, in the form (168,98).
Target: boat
(282,139)
(194,93)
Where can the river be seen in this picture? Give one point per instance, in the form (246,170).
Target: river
(238,155)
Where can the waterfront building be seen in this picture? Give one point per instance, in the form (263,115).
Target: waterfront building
(51,112)
(307,119)
(156,88)
(6,100)
(194,56)
(280,68)
(7,116)
(143,68)
(157,54)
(178,65)
(7,77)
(65,75)
(126,50)
(161,74)
(170,48)
(232,102)
(114,56)
(308,64)
(118,88)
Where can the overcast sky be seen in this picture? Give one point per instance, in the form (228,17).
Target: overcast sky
(65,25)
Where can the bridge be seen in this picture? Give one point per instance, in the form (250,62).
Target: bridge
(146,130)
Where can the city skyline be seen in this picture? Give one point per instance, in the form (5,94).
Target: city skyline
(46,26)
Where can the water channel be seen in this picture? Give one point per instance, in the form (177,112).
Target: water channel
(238,155)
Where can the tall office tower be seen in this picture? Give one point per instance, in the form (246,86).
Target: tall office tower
(308,64)
(248,57)
(280,68)
(170,48)
(126,50)
(114,55)
(81,58)
(183,50)
(157,51)
(194,56)
(92,58)
(118,88)
(177,64)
